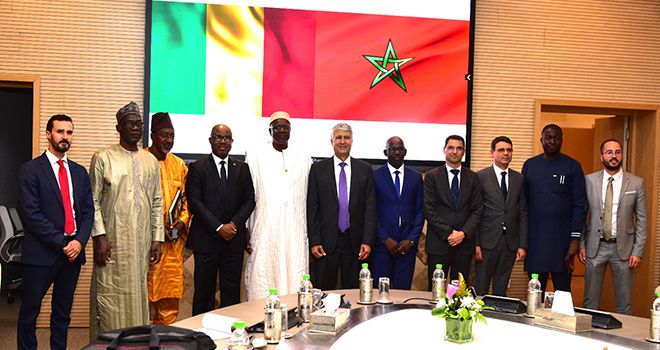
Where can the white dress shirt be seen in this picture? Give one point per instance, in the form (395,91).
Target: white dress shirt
(498,173)
(450,176)
(217,161)
(347,170)
(52,159)
(616,192)
(393,175)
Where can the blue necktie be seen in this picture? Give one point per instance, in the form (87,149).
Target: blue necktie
(454,187)
(397,184)
(503,186)
(343,200)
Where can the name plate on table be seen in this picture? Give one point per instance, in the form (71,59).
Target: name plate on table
(575,324)
(332,322)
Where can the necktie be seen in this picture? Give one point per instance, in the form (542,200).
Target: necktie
(454,188)
(397,184)
(223,176)
(63,178)
(503,186)
(343,200)
(607,215)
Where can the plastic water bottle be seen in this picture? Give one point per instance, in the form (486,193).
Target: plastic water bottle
(654,335)
(305,299)
(533,295)
(240,340)
(272,317)
(438,283)
(366,285)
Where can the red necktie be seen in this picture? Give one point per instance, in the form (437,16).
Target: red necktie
(69,225)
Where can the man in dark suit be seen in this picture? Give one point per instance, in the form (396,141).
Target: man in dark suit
(220,198)
(502,236)
(341,213)
(58,211)
(452,205)
(399,191)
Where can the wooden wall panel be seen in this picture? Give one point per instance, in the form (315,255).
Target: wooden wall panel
(89,57)
(558,49)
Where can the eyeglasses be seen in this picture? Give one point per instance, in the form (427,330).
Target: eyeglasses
(502,150)
(166,135)
(280,128)
(132,123)
(609,152)
(218,138)
(396,149)
(455,148)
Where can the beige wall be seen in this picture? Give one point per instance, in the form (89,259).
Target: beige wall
(89,56)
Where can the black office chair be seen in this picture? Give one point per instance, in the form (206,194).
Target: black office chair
(11,243)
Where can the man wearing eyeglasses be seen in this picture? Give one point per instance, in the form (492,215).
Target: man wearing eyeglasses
(452,205)
(220,198)
(502,236)
(399,191)
(616,228)
(165,279)
(278,227)
(128,227)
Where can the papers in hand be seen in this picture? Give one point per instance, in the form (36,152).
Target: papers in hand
(216,326)
(175,209)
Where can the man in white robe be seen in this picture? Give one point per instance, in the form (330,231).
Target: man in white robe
(278,226)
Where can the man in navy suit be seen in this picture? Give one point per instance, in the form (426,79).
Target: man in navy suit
(58,211)
(399,191)
(341,213)
(221,198)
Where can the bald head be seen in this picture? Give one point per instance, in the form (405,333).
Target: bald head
(221,140)
(395,151)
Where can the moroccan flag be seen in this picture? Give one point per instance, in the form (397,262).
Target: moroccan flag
(252,61)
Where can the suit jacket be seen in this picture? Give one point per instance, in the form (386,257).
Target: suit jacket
(513,212)
(631,216)
(443,217)
(323,205)
(42,210)
(391,207)
(211,207)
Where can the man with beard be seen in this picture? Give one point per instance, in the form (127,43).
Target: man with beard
(128,227)
(56,205)
(399,191)
(616,229)
(278,240)
(165,279)
(221,199)
(554,186)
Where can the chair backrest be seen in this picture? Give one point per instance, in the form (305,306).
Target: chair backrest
(6,227)
(16,219)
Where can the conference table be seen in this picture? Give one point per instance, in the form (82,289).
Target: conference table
(407,322)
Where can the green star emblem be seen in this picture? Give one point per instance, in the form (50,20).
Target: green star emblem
(382,63)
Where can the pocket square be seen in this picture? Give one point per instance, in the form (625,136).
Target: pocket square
(630,192)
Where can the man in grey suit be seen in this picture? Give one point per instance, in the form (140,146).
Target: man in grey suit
(502,236)
(616,229)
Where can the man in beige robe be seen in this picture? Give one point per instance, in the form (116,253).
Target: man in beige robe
(128,227)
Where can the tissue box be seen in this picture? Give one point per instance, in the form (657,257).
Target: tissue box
(332,322)
(575,324)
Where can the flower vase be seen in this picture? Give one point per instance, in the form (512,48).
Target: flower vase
(458,331)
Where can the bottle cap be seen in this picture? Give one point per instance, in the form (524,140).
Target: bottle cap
(239,324)
(306,277)
(438,266)
(535,275)
(365,265)
(272,291)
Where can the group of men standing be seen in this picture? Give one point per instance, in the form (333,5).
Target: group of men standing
(143,206)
